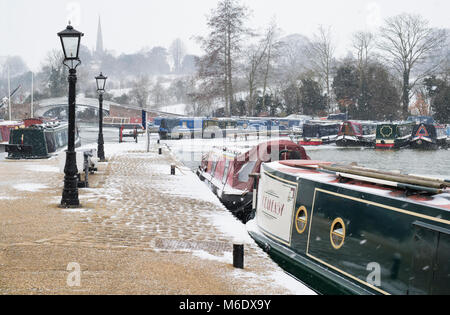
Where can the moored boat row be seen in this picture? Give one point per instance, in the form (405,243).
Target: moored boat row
(420,134)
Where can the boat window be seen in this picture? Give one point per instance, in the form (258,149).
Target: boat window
(213,168)
(368,129)
(49,138)
(301,220)
(247,168)
(337,233)
(225,172)
(60,140)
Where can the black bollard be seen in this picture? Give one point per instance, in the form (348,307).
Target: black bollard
(157,141)
(172,169)
(159,151)
(238,256)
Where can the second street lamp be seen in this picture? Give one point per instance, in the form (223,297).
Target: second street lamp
(70,41)
(101,82)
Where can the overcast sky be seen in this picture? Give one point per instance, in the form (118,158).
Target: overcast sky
(28,28)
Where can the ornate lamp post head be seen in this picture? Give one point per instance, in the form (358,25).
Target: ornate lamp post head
(101,82)
(70,41)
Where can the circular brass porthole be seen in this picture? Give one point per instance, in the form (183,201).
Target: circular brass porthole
(301,219)
(337,233)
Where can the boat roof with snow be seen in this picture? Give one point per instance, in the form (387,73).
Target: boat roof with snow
(431,192)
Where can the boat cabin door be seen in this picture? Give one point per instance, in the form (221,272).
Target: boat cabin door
(430,272)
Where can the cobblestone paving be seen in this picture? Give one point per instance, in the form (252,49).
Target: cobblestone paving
(138,232)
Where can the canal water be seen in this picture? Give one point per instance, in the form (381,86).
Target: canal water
(408,161)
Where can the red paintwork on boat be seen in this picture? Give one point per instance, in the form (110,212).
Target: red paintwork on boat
(386,145)
(310,143)
(258,154)
(350,128)
(5,129)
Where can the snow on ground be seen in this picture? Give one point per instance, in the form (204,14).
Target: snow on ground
(41,168)
(184,184)
(31,187)
(229,225)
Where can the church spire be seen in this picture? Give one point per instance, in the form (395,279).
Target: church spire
(99,47)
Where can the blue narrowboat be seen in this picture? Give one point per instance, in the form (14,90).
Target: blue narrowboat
(319,132)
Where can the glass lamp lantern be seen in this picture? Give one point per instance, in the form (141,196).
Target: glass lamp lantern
(101,82)
(70,41)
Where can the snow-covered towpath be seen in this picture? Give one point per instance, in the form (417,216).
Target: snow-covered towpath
(140,231)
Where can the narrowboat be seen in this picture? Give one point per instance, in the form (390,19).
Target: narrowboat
(5,130)
(349,230)
(340,116)
(166,126)
(205,128)
(227,173)
(421,120)
(428,137)
(318,133)
(39,141)
(356,134)
(393,135)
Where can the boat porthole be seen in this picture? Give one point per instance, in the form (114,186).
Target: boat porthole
(301,218)
(337,233)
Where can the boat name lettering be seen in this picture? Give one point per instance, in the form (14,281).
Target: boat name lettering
(273,206)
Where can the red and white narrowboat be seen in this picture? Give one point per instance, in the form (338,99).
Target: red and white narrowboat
(228,173)
(356,134)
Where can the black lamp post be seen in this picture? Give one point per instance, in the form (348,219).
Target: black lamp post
(101,82)
(70,41)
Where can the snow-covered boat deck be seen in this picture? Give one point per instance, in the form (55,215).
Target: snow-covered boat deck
(140,231)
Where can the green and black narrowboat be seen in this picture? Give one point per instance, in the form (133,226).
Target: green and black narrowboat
(428,137)
(351,230)
(393,135)
(38,141)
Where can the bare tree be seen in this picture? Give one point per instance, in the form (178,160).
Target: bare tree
(321,53)
(363,43)
(140,91)
(223,44)
(178,51)
(255,56)
(272,46)
(408,43)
